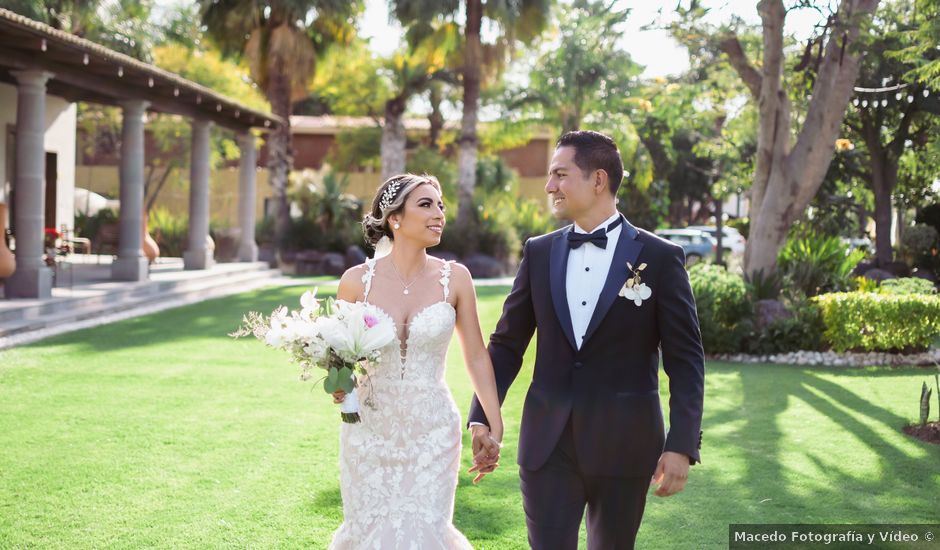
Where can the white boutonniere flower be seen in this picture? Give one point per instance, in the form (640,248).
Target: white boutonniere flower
(635,289)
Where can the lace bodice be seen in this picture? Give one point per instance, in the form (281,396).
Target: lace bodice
(422,356)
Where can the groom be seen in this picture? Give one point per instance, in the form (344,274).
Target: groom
(592,430)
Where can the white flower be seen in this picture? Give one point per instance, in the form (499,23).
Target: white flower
(637,293)
(310,304)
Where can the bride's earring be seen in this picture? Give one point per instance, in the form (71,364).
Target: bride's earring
(397,226)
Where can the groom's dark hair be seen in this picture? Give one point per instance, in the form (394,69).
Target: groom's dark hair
(595,151)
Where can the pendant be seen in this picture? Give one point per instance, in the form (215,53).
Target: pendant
(406,291)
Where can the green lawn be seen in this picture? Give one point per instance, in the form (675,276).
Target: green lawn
(162,432)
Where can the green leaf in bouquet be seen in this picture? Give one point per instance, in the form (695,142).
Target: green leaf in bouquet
(331,384)
(346,382)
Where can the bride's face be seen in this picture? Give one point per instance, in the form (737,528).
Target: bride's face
(422,218)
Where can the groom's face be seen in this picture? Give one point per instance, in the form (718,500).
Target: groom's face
(572,192)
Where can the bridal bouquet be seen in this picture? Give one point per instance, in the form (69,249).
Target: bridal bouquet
(336,336)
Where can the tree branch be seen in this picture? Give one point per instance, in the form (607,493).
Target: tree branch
(731,46)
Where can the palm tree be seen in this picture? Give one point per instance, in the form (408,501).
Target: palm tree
(520,20)
(281,40)
(423,63)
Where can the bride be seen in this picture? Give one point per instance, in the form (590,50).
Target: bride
(398,467)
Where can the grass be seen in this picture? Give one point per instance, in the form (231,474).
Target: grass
(162,432)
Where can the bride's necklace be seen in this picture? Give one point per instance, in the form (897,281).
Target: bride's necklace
(402,279)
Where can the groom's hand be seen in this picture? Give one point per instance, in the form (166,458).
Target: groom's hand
(485,452)
(671,473)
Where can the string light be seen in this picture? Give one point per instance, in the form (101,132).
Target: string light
(85,59)
(120,71)
(43,46)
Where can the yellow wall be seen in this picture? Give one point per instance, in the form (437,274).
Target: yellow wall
(223,189)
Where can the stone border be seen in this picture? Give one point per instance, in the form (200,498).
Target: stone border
(833,359)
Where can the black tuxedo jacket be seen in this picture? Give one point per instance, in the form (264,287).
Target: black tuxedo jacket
(610,387)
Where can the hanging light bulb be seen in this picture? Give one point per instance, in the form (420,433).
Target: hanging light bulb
(897,96)
(855,102)
(198,100)
(43,45)
(120,71)
(884,102)
(910,99)
(926,93)
(176,92)
(864,103)
(150,82)
(85,59)
(218,107)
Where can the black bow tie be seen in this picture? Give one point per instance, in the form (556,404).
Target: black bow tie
(597,238)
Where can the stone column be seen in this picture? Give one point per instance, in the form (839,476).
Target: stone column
(198,255)
(32,279)
(247,248)
(131,265)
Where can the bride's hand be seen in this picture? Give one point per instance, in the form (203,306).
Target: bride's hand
(339,396)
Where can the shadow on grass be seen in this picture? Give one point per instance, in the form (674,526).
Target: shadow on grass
(766,490)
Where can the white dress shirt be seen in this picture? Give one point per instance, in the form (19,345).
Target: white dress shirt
(588,266)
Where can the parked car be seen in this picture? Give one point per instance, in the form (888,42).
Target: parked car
(731,240)
(697,244)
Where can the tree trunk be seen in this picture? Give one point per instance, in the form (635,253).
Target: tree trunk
(883,177)
(281,155)
(393,139)
(468,142)
(786,179)
(436,118)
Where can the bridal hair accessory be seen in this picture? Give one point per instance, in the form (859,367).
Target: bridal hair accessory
(389,195)
(635,289)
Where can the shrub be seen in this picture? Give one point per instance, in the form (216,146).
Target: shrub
(330,218)
(87,226)
(723,307)
(919,245)
(817,264)
(802,332)
(171,232)
(907,285)
(880,322)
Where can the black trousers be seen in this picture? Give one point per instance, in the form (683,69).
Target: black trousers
(555,496)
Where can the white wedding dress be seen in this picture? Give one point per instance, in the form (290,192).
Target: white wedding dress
(399,466)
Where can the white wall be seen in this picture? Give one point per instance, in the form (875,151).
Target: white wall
(61,118)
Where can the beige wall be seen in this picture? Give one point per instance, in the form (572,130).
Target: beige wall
(61,118)
(223,189)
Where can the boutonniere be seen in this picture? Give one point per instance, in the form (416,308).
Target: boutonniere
(635,289)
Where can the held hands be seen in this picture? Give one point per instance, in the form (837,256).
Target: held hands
(671,473)
(486,445)
(339,396)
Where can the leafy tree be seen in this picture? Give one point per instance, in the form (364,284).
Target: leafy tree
(121,25)
(888,123)
(584,74)
(790,164)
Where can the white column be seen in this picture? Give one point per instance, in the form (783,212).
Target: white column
(198,255)
(131,265)
(247,248)
(32,278)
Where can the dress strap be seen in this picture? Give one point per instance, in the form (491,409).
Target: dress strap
(367,277)
(445,278)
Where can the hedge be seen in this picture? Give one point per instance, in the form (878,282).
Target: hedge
(865,321)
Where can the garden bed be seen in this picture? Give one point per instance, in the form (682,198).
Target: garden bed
(929,432)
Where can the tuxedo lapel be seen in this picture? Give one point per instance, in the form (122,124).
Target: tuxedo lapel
(557,276)
(628,250)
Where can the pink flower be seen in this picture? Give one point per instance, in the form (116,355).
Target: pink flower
(370,320)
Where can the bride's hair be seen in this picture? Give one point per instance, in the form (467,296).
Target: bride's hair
(390,199)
